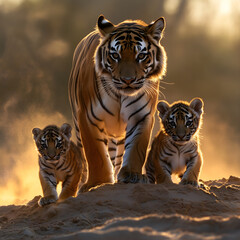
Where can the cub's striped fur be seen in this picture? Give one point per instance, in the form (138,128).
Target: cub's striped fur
(59,160)
(113,91)
(175,149)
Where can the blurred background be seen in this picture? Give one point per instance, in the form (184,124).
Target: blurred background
(37,40)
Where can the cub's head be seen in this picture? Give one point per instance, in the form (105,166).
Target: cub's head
(181,120)
(52,142)
(130,57)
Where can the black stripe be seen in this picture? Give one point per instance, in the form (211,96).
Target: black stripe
(93,114)
(49,180)
(135,100)
(191,150)
(105,141)
(42,163)
(100,99)
(166,153)
(111,149)
(68,165)
(124,99)
(174,111)
(169,149)
(60,165)
(166,166)
(184,110)
(100,129)
(118,164)
(138,110)
(130,132)
(120,142)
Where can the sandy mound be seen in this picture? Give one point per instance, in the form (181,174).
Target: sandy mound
(132,211)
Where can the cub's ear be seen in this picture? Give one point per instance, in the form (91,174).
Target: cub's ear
(162,107)
(104,26)
(36,132)
(197,105)
(156,28)
(66,129)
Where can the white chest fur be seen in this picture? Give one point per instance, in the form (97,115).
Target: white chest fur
(178,155)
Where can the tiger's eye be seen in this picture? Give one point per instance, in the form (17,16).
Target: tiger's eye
(141,56)
(188,123)
(115,56)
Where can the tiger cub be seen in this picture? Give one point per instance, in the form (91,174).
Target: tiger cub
(59,160)
(175,149)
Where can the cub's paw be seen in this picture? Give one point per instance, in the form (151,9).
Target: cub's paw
(194,183)
(43,201)
(132,177)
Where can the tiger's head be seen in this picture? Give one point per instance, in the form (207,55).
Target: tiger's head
(52,142)
(181,120)
(130,57)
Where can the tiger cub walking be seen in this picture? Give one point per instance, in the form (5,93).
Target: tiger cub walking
(175,149)
(59,160)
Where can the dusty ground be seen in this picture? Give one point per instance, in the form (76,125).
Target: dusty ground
(132,211)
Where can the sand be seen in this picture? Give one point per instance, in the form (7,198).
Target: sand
(132,211)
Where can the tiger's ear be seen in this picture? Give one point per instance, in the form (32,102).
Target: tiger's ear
(156,28)
(66,129)
(36,132)
(104,26)
(197,105)
(162,107)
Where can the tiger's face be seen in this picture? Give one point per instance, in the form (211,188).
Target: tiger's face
(130,56)
(52,142)
(181,120)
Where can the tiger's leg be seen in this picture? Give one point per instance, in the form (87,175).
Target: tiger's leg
(49,184)
(70,186)
(163,172)
(95,143)
(157,170)
(116,149)
(112,149)
(136,144)
(119,157)
(192,172)
(150,163)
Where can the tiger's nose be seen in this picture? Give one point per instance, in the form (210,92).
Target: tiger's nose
(128,80)
(180,133)
(51,154)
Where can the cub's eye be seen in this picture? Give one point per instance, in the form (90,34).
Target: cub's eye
(141,56)
(172,124)
(44,146)
(115,56)
(188,123)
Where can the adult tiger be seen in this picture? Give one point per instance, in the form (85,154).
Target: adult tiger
(113,91)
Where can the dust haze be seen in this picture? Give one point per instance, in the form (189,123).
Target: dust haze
(37,40)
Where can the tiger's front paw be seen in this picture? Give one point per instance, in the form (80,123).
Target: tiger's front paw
(43,201)
(131,177)
(194,183)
